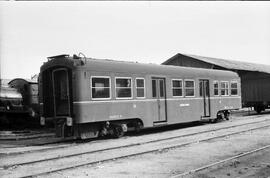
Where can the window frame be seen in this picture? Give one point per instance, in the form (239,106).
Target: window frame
(218,88)
(110,86)
(224,88)
(234,81)
(144,91)
(152,88)
(194,87)
(131,87)
(178,88)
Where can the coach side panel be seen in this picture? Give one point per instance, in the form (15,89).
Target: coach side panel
(89,110)
(225,98)
(191,108)
(178,108)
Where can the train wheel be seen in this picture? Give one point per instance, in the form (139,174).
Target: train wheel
(118,131)
(227,115)
(258,109)
(138,126)
(220,116)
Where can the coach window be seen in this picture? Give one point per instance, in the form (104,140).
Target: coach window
(177,87)
(140,87)
(189,88)
(123,87)
(234,87)
(216,88)
(224,88)
(100,87)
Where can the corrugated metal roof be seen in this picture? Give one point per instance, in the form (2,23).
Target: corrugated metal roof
(231,64)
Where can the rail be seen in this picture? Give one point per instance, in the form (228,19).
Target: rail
(97,156)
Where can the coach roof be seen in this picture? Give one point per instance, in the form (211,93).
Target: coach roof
(107,65)
(141,68)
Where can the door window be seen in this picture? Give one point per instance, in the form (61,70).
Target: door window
(154,88)
(204,88)
(140,88)
(161,88)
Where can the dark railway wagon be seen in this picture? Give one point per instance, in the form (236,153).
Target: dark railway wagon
(255,90)
(10,100)
(29,92)
(19,103)
(91,97)
(10,104)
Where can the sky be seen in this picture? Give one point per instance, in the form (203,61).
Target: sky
(147,32)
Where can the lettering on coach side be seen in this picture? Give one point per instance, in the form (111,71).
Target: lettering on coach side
(115,116)
(184,105)
(228,107)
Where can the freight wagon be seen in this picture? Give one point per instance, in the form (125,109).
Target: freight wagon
(90,97)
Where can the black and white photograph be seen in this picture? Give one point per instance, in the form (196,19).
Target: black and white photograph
(131,89)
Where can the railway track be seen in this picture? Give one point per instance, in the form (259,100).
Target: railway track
(44,147)
(184,174)
(16,167)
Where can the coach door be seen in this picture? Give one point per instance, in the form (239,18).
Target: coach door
(159,93)
(204,92)
(61,92)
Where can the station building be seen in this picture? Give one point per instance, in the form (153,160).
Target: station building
(255,78)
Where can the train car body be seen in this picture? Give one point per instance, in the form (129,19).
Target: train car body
(29,92)
(10,100)
(10,104)
(90,97)
(255,90)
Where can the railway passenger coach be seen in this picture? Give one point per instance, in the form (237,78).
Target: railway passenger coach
(90,97)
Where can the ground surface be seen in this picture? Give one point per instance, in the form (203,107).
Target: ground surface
(256,165)
(175,161)
(172,162)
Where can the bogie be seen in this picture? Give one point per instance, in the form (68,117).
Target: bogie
(118,131)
